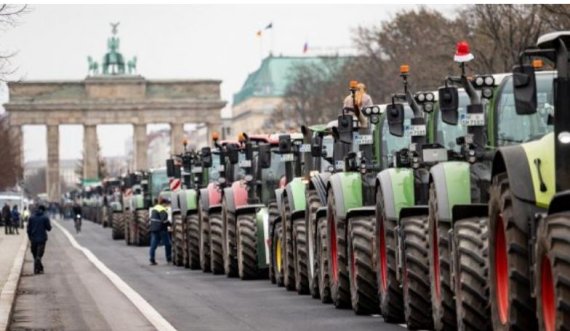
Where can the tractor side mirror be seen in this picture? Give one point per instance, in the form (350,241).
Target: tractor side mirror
(233,153)
(524,87)
(345,128)
(206,155)
(449,104)
(395,113)
(177,172)
(264,156)
(170,168)
(316,146)
(284,144)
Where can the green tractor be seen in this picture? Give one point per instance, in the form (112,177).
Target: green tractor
(113,202)
(529,231)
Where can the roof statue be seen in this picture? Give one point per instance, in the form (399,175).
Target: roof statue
(113,62)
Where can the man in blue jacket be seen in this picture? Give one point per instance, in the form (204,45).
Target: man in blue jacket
(38,226)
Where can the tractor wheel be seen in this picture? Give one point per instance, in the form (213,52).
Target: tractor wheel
(128,218)
(193,239)
(338,271)
(277,252)
(104,217)
(323,259)
(118,229)
(273,214)
(216,244)
(230,258)
(247,247)
(364,292)
(442,296)
(391,295)
(512,307)
(289,254)
(142,221)
(177,240)
(553,263)
(205,251)
(313,203)
(300,237)
(415,273)
(471,270)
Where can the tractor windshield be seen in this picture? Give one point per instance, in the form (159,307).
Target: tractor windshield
(158,182)
(446,133)
(214,170)
(514,128)
(277,168)
(328,146)
(392,144)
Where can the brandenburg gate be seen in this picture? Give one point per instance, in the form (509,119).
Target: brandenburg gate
(112,97)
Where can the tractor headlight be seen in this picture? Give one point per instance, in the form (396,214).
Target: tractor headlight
(479,81)
(375,110)
(428,107)
(430,97)
(489,81)
(375,119)
(367,111)
(487,93)
(248,178)
(421,97)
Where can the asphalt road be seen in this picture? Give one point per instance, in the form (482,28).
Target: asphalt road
(193,300)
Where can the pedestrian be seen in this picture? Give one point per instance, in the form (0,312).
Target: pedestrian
(159,229)
(25,216)
(38,226)
(15,219)
(356,103)
(7,217)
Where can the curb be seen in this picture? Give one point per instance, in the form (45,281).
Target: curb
(8,295)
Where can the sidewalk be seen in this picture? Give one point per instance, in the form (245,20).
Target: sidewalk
(12,251)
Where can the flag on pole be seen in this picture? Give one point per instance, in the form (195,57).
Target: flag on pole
(305,47)
(269,26)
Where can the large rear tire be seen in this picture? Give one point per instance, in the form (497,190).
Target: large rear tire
(273,214)
(338,271)
(288,250)
(118,229)
(142,221)
(178,237)
(130,228)
(364,292)
(551,278)
(193,226)
(205,251)
(323,261)
(390,292)
(415,273)
(471,264)
(442,296)
(230,258)
(216,244)
(300,237)
(247,247)
(512,307)
(313,203)
(277,252)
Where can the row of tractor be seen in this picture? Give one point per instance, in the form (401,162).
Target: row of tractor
(444,209)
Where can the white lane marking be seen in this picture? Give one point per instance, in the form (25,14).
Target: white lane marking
(148,311)
(8,294)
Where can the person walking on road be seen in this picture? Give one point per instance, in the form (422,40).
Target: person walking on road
(15,219)
(25,216)
(38,226)
(7,217)
(159,229)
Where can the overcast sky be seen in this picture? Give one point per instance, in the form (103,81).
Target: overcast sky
(192,41)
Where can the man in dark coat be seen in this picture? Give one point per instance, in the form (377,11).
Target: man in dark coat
(7,218)
(38,226)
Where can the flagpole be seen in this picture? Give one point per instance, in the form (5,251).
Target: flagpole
(272,38)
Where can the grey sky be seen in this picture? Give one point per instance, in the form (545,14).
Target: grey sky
(191,41)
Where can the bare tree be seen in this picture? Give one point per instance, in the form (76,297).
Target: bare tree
(10,168)
(9,17)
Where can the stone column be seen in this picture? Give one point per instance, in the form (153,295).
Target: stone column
(176,137)
(140,147)
(211,128)
(90,152)
(53,184)
(17,135)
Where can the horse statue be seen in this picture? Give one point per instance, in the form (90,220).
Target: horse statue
(113,60)
(132,65)
(93,66)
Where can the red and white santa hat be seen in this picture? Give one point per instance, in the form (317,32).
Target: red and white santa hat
(462,52)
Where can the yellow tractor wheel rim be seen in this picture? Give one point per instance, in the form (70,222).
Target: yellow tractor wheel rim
(278,256)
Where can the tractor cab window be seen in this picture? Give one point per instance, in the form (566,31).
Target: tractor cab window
(513,128)
(158,182)
(392,144)
(277,168)
(239,172)
(214,170)
(328,146)
(447,134)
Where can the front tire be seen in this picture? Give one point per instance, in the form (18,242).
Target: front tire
(313,203)
(193,225)
(289,255)
(230,258)
(340,284)
(216,244)
(205,251)
(142,223)
(323,261)
(118,229)
(247,247)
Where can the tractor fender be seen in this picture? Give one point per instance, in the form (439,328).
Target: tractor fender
(138,202)
(191,199)
(298,215)
(319,184)
(347,190)
(248,209)
(175,202)
(279,200)
(560,203)
(452,182)
(361,211)
(397,188)
(215,209)
(460,211)
(239,194)
(414,211)
(214,194)
(229,199)
(295,191)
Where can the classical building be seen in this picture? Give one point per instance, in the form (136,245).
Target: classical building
(117,95)
(263,92)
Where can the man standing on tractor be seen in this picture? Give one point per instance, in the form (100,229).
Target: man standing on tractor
(358,100)
(159,229)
